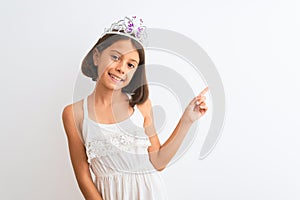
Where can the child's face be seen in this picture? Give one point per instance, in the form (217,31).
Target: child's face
(121,59)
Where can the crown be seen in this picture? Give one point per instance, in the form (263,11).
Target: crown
(132,28)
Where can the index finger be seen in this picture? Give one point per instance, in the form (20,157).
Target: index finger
(203,91)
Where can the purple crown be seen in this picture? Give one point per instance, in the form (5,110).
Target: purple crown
(132,28)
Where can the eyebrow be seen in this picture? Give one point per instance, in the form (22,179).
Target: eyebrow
(122,54)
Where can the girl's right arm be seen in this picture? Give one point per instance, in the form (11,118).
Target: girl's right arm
(78,156)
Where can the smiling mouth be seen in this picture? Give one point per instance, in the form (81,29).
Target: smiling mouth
(115,77)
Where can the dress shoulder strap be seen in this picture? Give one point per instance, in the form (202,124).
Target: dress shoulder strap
(85,107)
(128,95)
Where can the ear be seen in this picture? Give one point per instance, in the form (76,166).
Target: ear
(96,55)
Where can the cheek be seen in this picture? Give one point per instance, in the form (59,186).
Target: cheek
(101,71)
(103,66)
(130,74)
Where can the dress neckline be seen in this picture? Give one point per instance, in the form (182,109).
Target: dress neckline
(86,113)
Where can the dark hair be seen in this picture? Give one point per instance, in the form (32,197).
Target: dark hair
(138,84)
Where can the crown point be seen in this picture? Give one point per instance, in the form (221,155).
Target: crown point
(130,27)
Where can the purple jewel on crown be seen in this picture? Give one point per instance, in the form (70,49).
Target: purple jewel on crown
(131,27)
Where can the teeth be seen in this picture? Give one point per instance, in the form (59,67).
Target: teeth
(114,77)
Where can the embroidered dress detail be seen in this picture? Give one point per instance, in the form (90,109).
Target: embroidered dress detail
(115,143)
(119,160)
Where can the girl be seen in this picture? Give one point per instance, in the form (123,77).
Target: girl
(101,136)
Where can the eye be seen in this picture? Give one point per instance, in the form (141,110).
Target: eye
(131,65)
(115,57)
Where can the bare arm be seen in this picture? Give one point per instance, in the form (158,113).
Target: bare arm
(78,156)
(161,155)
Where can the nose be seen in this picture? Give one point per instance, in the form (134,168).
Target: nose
(121,67)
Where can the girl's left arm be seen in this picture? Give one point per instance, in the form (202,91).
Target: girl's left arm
(160,155)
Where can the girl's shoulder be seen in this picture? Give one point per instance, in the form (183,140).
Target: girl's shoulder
(74,113)
(145,108)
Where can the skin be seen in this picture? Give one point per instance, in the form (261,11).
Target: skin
(121,59)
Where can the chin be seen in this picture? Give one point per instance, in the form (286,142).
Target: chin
(117,86)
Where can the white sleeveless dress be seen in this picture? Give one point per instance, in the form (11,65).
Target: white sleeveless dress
(118,157)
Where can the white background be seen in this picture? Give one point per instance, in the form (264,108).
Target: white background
(254,45)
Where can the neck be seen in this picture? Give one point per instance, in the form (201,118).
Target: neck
(105,96)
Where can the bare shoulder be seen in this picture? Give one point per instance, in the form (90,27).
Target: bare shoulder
(146,110)
(72,116)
